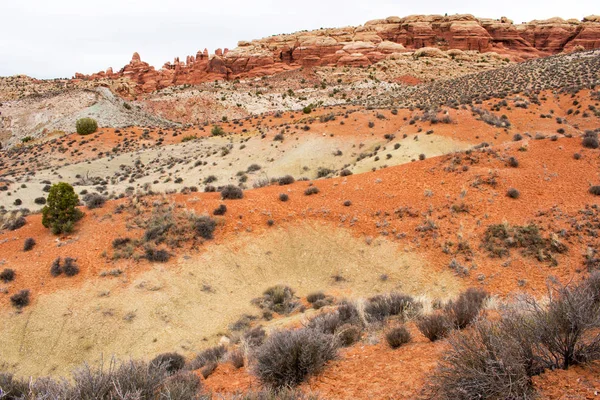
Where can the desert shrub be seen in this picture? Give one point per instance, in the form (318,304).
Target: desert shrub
(182,386)
(286,180)
(289,357)
(208,356)
(210,179)
(28,244)
(12,388)
(205,227)
(94,200)
(232,192)
(499,239)
(56,268)
(311,190)
(312,297)
(221,210)
(283,197)
(85,126)
(20,299)
(397,336)
(60,212)
(348,334)
(482,363)
(513,193)
(568,328)
(307,110)
(255,337)
(323,172)
(590,140)
(69,267)
(517,137)
(13,222)
(466,308)
(279,137)
(40,201)
(133,378)
(208,369)
(269,394)
(7,275)
(434,326)
(217,131)
(236,357)
(253,168)
(120,242)
(279,298)
(595,190)
(513,162)
(345,172)
(155,255)
(172,362)
(380,307)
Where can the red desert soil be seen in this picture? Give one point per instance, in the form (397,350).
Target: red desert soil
(548,177)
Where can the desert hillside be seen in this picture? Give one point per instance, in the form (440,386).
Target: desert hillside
(408,209)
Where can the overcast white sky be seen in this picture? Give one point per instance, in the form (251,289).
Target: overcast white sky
(48,39)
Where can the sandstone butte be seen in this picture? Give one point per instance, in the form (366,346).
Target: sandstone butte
(365,45)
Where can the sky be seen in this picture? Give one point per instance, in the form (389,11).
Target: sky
(55,39)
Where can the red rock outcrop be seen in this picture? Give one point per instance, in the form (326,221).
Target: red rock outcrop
(365,45)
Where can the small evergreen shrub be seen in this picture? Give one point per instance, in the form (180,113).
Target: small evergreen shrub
(85,126)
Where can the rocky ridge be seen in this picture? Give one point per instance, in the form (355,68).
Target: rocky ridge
(365,45)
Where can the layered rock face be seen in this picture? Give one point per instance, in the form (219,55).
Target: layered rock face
(366,45)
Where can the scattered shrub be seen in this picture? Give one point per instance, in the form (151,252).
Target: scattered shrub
(311,190)
(513,193)
(69,267)
(172,362)
(380,307)
(94,200)
(14,222)
(255,337)
(283,197)
(85,126)
(231,192)
(289,357)
(466,308)
(29,244)
(205,227)
(590,140)
(221,210)
(482,363)
(55,268)
(286,180)
(434,326)
(217,131)
(397,336)
(312,297)
(513,162)
(155,255)
(40,201)
(279,298)
(595,190)
(20,299)
(120,242)
(236,358)
(208,356)
(7,275)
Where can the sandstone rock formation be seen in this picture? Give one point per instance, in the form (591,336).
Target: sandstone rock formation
(365,45)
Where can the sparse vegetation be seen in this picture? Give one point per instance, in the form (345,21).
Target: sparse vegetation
(288,358)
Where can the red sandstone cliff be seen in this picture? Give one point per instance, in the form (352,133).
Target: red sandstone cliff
(365,45)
